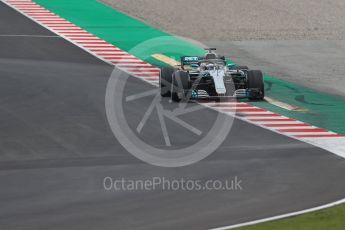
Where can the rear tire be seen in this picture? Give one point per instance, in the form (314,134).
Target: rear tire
(255,82)
(166,76)
(180,83)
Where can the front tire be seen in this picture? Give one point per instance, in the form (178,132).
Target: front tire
(255,83)
(180,83)
(165,80)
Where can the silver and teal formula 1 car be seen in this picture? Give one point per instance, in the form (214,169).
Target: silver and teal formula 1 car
(210,77)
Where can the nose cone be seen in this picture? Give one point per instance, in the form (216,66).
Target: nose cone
(218,79)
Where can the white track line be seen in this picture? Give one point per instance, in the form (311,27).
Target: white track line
(282,216)
(28,35)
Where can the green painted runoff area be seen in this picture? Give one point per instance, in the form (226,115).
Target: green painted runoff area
(143,40)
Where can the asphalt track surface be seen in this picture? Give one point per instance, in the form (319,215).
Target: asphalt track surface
(56,147)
